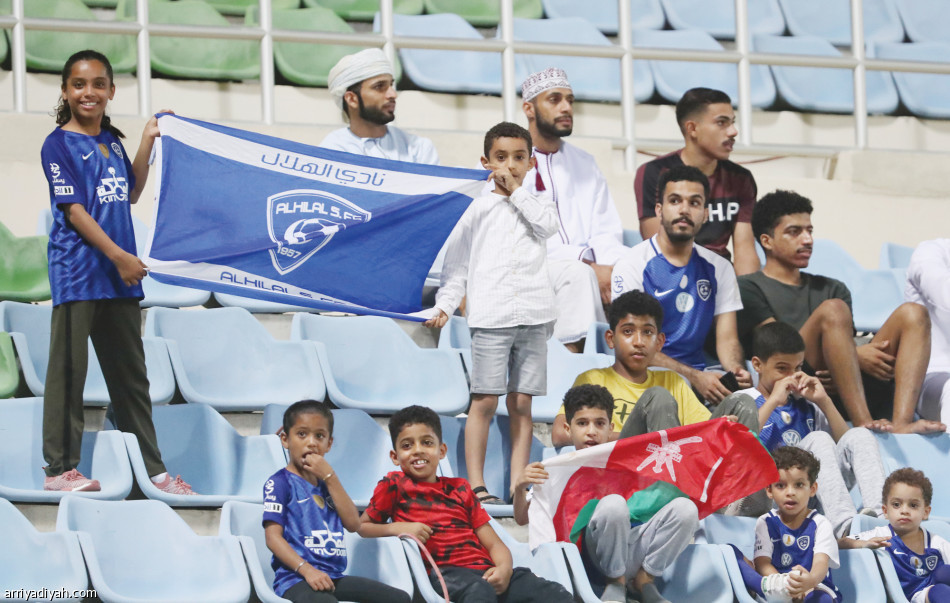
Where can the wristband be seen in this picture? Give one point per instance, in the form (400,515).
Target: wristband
(296,569)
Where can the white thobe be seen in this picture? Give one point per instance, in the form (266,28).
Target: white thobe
(928,283)
(396,144)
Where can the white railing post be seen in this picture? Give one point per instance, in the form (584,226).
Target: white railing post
(509,95)
(386,29)
(143,70)
(18,51)
(745,87)
(267,62)
(627,99)
(860,75)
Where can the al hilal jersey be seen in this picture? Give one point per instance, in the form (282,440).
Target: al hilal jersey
(789,423)
(914,571)
(787,547)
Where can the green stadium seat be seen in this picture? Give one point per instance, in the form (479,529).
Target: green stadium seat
(23,273)
(485,13)
(239,7)
(101,3)
(196,58)
(9,375)
(365,10)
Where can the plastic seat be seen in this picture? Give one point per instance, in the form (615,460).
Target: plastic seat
(9,372)
(924,94)
(831,20)
(895,256)
(822,89)
(485,13)
(456,336)
(632,237)
(200,445)
(141,550)
(644,14)
(162,294)
(103,456)
(457,71)
(365,10)
(239,7)
(674,78)
(718,17)
(924,21)
(591,79)
(196,58)
(928,453)
(371,364)
(24,275)
(381,559)
(101,3)
(31,560)
(595,342)
(227,359)
(29,326)
(257,306)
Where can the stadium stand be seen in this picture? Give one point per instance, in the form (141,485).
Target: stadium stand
(103,457)
(256,306)
(29,327)
(924,94)
(24,275)
(928,453)
(484,13)
(365,10)
(924,19)
(31,560)
(831,20)
(823,90)
(225,358)
(718,17)
(371,364)
(9,372)
(240,7)
(631,237)
(895,256)
(644,14)
(547,560)
(176,564)
(595,342)
(456,336)
(100,3)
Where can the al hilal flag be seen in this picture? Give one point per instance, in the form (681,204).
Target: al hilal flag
(713,463)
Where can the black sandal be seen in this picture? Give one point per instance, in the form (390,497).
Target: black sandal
(485,497)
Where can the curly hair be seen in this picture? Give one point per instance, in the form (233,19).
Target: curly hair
(588,395)
(910,477)
(790,457)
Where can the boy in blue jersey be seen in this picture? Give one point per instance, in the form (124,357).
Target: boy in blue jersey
(795,410)
(920,558)
(306,510)
(696,287)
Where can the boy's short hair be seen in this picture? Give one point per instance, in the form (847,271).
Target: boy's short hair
(506,129)
(414,415)
(304,407)
(636,303)
(682,173)
(588,395)
(771,208)
(695,100)
(776,338)
(789,457)
(911,477)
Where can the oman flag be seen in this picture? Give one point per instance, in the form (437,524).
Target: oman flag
(713,463)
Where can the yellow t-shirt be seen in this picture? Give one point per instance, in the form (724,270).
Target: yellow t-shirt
(626,393)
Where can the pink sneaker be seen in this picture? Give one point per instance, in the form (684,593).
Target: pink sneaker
(175,486)
(71,481)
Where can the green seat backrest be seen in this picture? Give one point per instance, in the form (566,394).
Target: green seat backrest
(101,3)
(365,10)
(239,7)
(23,270)
(485,13)
(9,374)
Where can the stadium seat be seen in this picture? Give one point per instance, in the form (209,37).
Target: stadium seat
(591,79)
(595,342)
(371,364)
(32,560)
(457,71)
(360,451)
(924,21)
(29,326)
(485,13)
(365,10)
(141,550)
(644,14)
(824,90)
(698,574)
(895,256)
(196,58)
(924,94)
(162,294)
(928,453)
(631,237)
(227,359)
(101,3)
(831,20)
(9,372)
(200,445)
(4,46)
(456,336)
(239,7)
(674,78)
(256,306)
(381,559)
(103,456)
(23,270)
(718,17)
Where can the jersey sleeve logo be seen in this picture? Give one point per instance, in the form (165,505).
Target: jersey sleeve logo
(618,284)
(54,172)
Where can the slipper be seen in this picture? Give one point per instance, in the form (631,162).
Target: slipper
(486,498)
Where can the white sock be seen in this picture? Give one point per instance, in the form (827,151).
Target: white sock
(157,479)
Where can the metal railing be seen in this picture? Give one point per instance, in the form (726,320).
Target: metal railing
(504,44)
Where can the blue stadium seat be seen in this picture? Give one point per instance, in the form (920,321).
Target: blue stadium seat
(200,445)
(924,94)
(32,560)
(673,78)
(29,326)
(831,20)
(9,372)
(381,559)
(456,71)
(227,359)
(456,336)
(718,17)
(644,14)
(102,456)
(595,342)
(257,306)
(698,574)
(591,79)
(631,237)
(822,89)
(371,364)
(895,256)
(924,21)
(142,550)
(928,453)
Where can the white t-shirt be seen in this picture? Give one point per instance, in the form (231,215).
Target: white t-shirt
(928,283)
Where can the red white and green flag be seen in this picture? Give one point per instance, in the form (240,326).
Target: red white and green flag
(713,463)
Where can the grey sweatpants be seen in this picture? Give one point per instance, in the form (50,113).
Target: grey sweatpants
(657,409)
(618,549)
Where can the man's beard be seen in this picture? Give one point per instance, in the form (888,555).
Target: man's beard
(549,129)
(675,236)
(374,115)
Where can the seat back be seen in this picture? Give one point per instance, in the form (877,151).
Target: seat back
(365,10)
(718,17)
(244,519)
(33,321)
(925,94)
(485,13)
(240,7)
(927,453)
(895,256)
(24,274)
(644,14)
(730,529)
(360,453)
(924,21)
(831,21)
(9,373)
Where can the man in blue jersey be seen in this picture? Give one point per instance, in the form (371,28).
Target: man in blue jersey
(696,287)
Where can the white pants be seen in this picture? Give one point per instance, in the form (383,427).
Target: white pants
(934,401)
(577,295)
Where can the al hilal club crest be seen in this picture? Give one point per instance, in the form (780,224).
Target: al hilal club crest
(302,222)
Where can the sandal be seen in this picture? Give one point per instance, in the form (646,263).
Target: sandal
(486,498)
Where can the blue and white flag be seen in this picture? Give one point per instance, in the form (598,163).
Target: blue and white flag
(257,216)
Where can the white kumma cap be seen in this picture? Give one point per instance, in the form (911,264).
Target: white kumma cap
(354,68)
